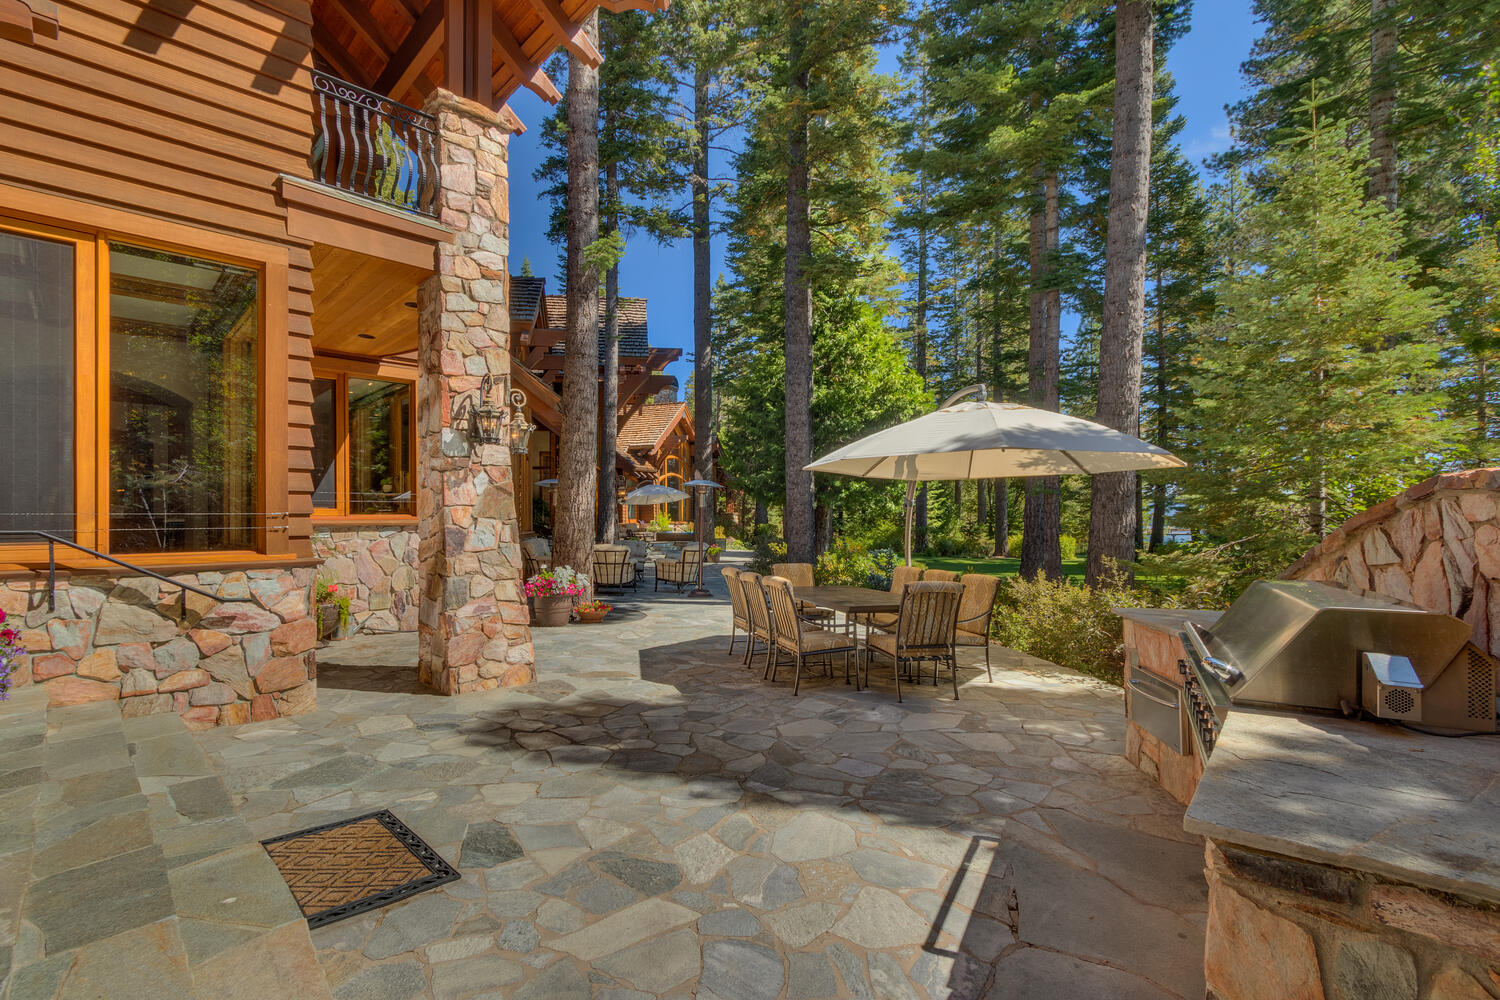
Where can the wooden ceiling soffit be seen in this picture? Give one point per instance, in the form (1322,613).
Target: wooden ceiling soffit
(529,73)
(621,6)
(23,20)
(357,13)
(416,50)
(570,33)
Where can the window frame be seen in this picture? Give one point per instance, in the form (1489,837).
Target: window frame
(340,370)
(91,229)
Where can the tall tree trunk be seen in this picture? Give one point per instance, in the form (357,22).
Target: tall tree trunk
(1158,515)
(573,515)
(919,346)
(1114,510)
(800,541)
(703,350)
(762,516)
(1383,53)
(609,404)
(1002,518)
(1041,552)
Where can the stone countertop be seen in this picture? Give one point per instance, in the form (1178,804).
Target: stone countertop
(1359,795)
(1164,619)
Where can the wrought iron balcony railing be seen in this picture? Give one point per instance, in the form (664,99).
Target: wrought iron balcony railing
(370,145)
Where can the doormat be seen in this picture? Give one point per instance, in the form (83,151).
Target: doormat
(341,869)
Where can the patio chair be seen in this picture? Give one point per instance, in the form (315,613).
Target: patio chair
(680,571)
(739,618)
(925,630)
(640,555)
(758,614)
(974,613)
(613,568)
(797,638)
(939,576)
(536,554)
(900,577)
(801,575)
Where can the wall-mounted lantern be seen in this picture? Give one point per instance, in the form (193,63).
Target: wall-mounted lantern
(491,424)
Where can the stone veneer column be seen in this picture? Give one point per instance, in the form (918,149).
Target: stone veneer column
(472,625)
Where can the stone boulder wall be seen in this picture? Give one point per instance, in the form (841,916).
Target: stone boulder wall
(377,566)
(120,639)
(1437,546)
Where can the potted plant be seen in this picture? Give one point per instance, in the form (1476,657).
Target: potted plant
(593,612)
(712,553)
(552,592)
(11,652)
(331,606)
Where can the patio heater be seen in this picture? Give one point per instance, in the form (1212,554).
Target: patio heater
(701,489)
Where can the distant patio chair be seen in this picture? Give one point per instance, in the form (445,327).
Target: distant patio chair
(800,575)
(613,568)
(680,571)
(797,638)
(925,630)
(974,613)
(759,615)
(640,553)
(536,554)
(739,618)
(939,576)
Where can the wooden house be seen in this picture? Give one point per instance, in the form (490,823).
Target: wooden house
(254,303)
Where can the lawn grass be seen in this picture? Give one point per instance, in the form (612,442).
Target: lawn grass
(1072,568)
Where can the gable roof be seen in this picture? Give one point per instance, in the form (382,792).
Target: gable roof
(651,423)
(633,341)
(526,293)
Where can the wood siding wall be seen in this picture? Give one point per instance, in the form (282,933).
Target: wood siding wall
(182,113)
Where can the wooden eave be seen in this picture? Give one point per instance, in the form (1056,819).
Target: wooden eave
(482,50)
(23,20)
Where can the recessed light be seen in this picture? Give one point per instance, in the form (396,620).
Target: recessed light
(410,305)
(367,336)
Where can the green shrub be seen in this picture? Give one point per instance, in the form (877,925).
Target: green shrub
(1067,623)
(1069,546)
(844,564)
(766,552)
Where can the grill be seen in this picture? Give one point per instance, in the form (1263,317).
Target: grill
(1310,647)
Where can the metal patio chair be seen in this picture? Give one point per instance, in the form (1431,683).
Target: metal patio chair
(739,618)
(799,639)
(974,614)
(759,615)
(925,630)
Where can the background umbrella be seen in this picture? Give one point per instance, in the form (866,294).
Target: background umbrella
(652,494)
(977,439)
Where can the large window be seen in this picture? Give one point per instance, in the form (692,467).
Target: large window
(362,446)
(183,347)
(129,395)
(37,307)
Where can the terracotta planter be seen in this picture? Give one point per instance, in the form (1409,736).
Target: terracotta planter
(550,612)
(712,557)
(593,617)
(328,621)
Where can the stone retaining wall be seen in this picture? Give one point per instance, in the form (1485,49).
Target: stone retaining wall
(120,639)
(1284,929)
(1437,545)
(377,567)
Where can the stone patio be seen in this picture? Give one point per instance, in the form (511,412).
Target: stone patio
(652,819)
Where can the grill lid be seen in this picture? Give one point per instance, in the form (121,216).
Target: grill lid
(1297,644)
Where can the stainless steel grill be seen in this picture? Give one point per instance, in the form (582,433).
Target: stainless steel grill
(1311,647)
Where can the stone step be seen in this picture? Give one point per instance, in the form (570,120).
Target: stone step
(23,728)
(140,880)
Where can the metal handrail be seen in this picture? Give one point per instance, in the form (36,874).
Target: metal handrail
(54,540)
(369,145)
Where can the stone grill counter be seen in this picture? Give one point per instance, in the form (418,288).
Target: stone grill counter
(1349,860)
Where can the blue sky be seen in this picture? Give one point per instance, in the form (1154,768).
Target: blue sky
(1205,63)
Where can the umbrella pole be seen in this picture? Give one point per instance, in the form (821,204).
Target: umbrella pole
(911,504)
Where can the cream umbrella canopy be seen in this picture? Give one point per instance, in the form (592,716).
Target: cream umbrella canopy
(978,439)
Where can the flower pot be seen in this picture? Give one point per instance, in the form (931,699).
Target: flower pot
(328,620)
(712,557)
(593,617)
(552,611)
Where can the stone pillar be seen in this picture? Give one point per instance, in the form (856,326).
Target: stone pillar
(472,625)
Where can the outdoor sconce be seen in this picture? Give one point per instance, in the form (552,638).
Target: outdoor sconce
(490,424)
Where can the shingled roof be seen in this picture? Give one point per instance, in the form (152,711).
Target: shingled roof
(646,426)
(633,342)
(526,296)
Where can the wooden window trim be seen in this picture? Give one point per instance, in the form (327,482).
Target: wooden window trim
(339,370)
(49,216)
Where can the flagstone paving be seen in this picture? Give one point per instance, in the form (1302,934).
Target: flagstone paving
(649,819)
(652,819)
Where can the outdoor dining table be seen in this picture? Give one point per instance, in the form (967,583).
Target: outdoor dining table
(853,603)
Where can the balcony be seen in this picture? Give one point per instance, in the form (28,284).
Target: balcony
(368,145)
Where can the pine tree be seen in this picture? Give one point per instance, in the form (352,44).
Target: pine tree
(1313,400)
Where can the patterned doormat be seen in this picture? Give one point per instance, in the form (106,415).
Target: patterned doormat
(341,869)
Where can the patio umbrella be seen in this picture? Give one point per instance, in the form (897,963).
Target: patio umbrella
(978,439)
(652,494)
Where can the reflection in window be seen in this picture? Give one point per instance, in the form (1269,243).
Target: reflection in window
(184,337)
(325,433)
(36,384)
(379,447)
